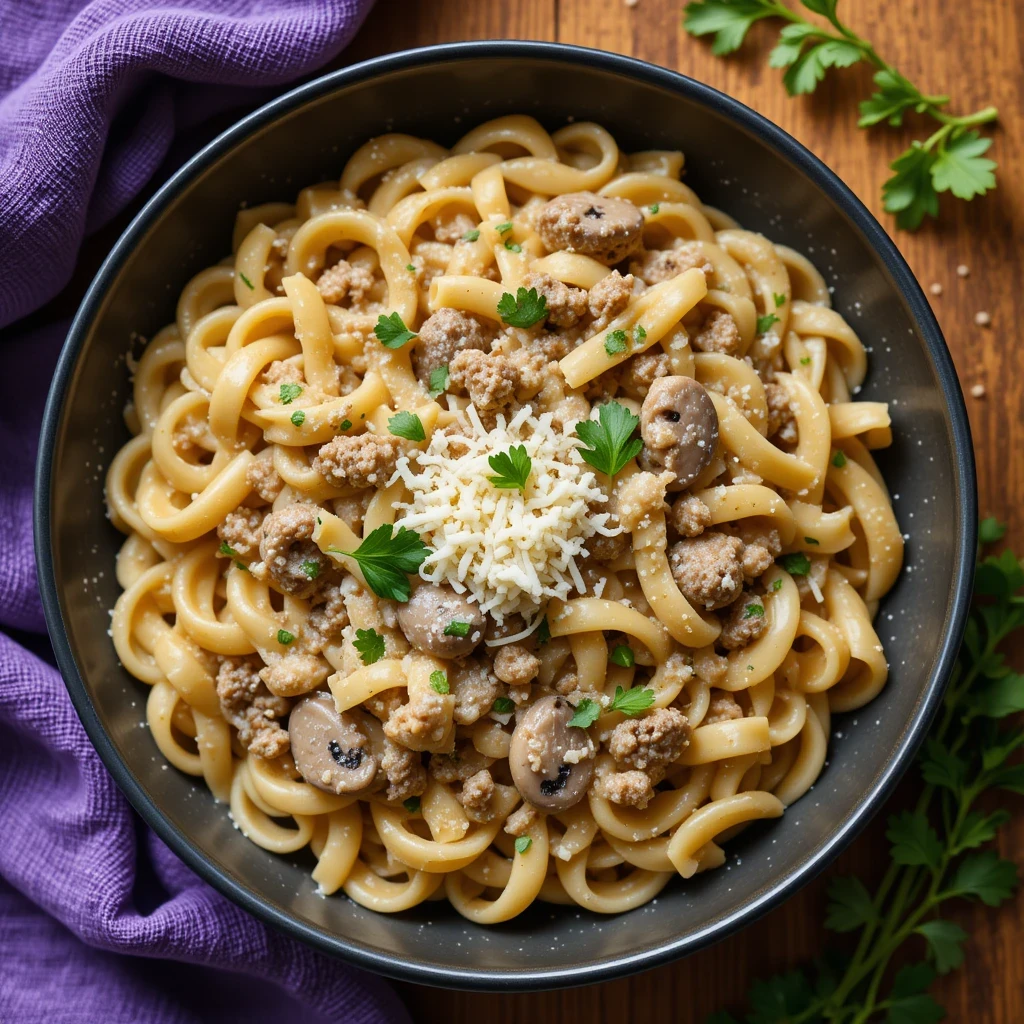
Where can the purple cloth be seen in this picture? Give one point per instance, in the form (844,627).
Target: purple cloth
(98,920)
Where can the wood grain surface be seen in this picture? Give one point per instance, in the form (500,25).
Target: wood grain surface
(971,49)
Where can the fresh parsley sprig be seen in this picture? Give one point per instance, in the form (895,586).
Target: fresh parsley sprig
(391,331)
(630,702)
(408,425)
(610,440)
(370,645)
(950,160)
(524,309)
(935,847)
(513,467)
(386,561)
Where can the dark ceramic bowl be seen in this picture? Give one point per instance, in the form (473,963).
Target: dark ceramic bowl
(737,161)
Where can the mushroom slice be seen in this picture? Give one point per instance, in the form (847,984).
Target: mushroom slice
(331,749)
(602,227)
(551,761)
(679,426)
(440,622)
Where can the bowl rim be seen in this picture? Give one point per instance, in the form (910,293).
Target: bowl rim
(964,482)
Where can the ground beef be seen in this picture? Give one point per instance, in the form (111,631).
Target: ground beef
(295,673)
(722,708)
(690,516)
(250,707)
(519,822)
(477,796)
(292,563)
(718,333)
(352,508)
(640,496)
(490,378)
(516,665)
(328,617)
(781,421)
(609,297)
(282,372)
(420,724)
(535,369)
(663,264)
(641,370)
(475,688)
(565,304)
(241,531)
(609,549)
(442,335)
(710,666)
(569,411)
(708,569)
(627,789)
(359,460)
(404,771)
(653,741)
(459,765)
(344,280)
(381,705)
(190,435)
(263,478)
(450,226)
(744,622)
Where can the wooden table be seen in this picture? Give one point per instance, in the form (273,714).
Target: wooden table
(972,50)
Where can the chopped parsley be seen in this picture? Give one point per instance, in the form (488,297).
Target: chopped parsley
(615,343)
(503,706)
(639,335)
(524,310)
(386,560)
(407,425)
(796,564)
(391,331)
(780,300)
(764,323)
(543,631)
(630,702)
(298,418)
(284,637)
(513,467)
(812,540)
(610,440)
(412,805)
(410,268)
(370,645)
(753,611)
(805,361)
(839,459)
(311,568)
(345,425)
(457,628)
(471,235)
(226,549)
(513,246)
(248,284)
(523,843)
(777,585)
(504,228)
(287,393)
(623,656)
(654,207)
(439,681)
(439,380)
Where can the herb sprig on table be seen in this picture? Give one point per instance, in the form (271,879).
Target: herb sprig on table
(936,852)
(950,160)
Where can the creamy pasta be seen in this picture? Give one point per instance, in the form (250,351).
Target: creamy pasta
(501,526)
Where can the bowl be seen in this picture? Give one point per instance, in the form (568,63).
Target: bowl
(737,161)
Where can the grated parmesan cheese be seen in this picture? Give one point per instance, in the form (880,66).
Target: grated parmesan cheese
(511,551)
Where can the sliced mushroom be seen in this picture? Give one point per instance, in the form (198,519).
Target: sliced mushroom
(438,621)
(605,228)
(331,750)
(679,426)
(551,762)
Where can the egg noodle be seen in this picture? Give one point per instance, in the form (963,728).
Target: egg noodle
(665,645)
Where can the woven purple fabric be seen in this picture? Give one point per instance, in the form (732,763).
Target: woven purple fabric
(98,920)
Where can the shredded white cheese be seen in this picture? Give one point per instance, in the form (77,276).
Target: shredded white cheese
(511,551)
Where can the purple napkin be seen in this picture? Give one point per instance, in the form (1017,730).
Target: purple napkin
(98,920)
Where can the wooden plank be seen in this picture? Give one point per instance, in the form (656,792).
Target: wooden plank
(972,50)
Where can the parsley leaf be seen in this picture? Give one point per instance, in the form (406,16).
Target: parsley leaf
(226,549)
(909,192)
(632,701)
(850,905)
(913,839)
(503,705)
(513,467)
(961,169)
(526,309)
(610,440)
(990,530)
(345,425)
(765,322)
(289,392)
(986,877)
(248,284)
(370,645)
(439,381)
(839,459)
(387,560)
(615,343)
(412,805)
(311,568)
(391,331)
(654,207)
(471,235)
(728,20)
(523,843)
(504,228)
(753,611)
(457,628)
(298,418)
(796,564)
(777,585)
(543,631)
(895,95)
(945,941)
(513,246)
(780,300)
(809,68)
(586,714)
(439,681)
(407,425)
(284,637)
(622,655)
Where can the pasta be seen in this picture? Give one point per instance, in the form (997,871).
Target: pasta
(501,526)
